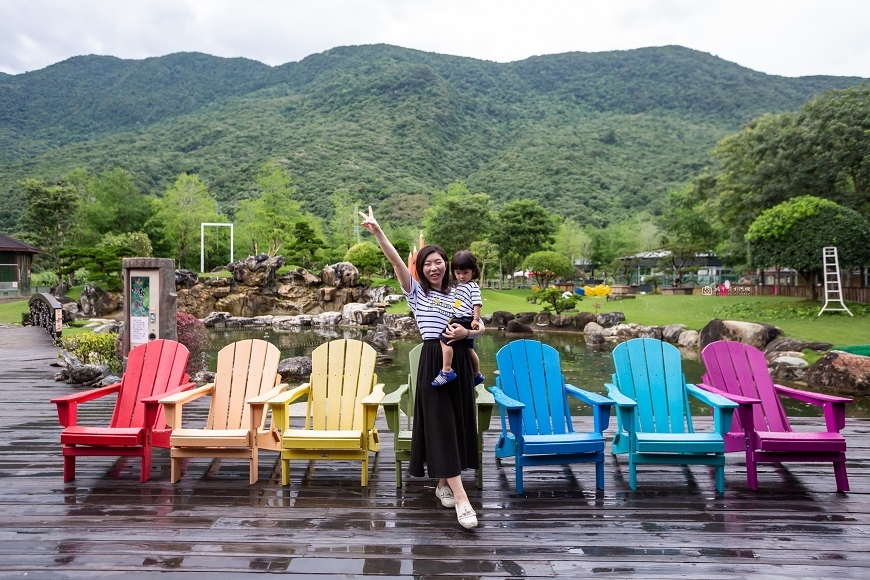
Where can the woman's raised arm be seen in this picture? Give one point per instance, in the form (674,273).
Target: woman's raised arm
(387,248)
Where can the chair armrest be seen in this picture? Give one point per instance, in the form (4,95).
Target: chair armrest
(483,397)
(375,396)
(617,397)
(834,407)
(258,405)
(395,398)
(739,399)
(809,397)
(186,396)
(67,406)
(588,397)
(152,403)
(268,395)
(279,403)
(714,400)
(503,400)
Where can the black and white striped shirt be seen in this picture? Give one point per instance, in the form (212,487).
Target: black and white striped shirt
(432,312)
(465,298)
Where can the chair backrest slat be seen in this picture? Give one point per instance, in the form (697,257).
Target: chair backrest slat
(245,369)
(362,387)
(352,376)
(342,375)
(223,378)
(560,416)
(408,401)
(650,372)
(239,412)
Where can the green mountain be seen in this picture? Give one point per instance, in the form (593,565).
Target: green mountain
(596,136)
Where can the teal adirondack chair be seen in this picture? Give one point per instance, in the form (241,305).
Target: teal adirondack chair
(536,427)
(654,423)
(399,410)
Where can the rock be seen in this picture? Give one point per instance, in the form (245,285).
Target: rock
(218,282)
(500,318)
(401,324)
(291,321)
(216,319)
(753,333)
(542,319)
(325,294)
(486,318)
(650,332)
(790,361)
(376,293)
(379,338)
(515,327)
(383,358)
(608,319)
(561,320)
(113,326)
(841,372)
(595,339)
(626,331)
(592,328)
(689,338)
(257,271)
(96,301)
(525,317)
(186,279)
(85,374)
(202,378)
(393,298)
(582,319)
(340,275)
(348,310)
(69,307)
(788,344)
(59,290)
(366,316)
(109,380)
(294,367)
(672,332)
(326,319)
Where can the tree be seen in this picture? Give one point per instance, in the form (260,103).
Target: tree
(50,218)
(185,205)
(136,241)
(522,227)
(111,203)
(793,233)
(345,220)
(687,233)
(547,266)
(266,222)
(306,244)
(103,264)
(554,299)
(456,218)
(366,256)
(486,253)
(571,241)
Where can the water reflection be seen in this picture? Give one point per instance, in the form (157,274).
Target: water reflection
(585,368)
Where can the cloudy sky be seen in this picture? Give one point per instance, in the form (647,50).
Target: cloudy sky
(791,38)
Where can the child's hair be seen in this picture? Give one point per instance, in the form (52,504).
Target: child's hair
(464,260)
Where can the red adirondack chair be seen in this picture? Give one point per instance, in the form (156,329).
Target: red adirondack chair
(154,370)
(761,428)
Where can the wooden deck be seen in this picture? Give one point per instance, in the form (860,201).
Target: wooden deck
(107,524)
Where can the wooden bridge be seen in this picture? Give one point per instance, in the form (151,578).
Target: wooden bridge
(325,526)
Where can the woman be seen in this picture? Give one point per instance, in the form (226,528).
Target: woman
(444,435)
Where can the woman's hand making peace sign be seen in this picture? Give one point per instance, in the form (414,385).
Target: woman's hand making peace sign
(370,223)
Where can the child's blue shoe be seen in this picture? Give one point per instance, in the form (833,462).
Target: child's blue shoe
(444,378)
(479,378)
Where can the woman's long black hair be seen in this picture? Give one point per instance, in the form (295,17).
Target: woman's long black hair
(424,282)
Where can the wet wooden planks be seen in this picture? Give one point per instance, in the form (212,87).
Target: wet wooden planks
(324,525)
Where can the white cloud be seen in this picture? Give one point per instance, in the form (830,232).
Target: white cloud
(798,37)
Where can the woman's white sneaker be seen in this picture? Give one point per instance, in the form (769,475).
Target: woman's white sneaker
(445,494)
(466,516)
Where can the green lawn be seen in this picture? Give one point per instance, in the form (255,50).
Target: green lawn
(10,312)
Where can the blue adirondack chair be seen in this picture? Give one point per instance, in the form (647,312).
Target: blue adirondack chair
(532,395)
(654,423)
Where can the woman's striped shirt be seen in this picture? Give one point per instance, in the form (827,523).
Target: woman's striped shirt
(431,312)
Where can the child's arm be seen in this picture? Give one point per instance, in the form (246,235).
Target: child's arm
(475,324)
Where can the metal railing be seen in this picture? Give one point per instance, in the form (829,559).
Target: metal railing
(46,312)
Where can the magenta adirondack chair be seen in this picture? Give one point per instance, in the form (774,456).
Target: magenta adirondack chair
(154,370)
(761,428)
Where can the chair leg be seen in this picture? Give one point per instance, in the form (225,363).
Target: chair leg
(519,477)
(398,473)
(69,467)
(751,471)
(175,469)
(145,471)
(632,473)
(255,466)
(599,474)
(720,478)
(840,474)
(285,471)
(364,480)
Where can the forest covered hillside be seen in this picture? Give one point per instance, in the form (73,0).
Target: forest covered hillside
(594,136)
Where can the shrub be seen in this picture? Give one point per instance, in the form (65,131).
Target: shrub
(91,348)
(45,278)
(554,299)
(193,334)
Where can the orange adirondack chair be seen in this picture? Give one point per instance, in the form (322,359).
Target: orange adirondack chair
(247,376)
(138,423)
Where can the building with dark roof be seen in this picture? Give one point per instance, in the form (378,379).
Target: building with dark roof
(16,257)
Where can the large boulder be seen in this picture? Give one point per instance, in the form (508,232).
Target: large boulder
(608,319)
(296,367)
(688,338)
(401,324)
(380,338)
(592,328)
(650,332)
(841,372)
(340,275)
(186,279)
(582,319)
(671,332)
(517,328)
(788,344)
(257,271)
(753,333)
(216,319)
(366,316)
(326,319)
(291,321)
(595,340)
(542,319)
(561,320)
(526,317)
(97,302)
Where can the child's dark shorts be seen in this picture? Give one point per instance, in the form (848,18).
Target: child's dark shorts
(465,322)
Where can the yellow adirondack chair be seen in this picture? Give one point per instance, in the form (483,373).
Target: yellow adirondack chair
(342,405)
(247,376)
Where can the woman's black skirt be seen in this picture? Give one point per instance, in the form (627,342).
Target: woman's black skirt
(444,433)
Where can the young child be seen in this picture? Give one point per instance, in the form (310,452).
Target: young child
(466,306)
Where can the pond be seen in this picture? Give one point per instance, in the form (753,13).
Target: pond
(584,368)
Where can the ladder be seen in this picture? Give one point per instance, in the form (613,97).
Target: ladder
(831,273)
